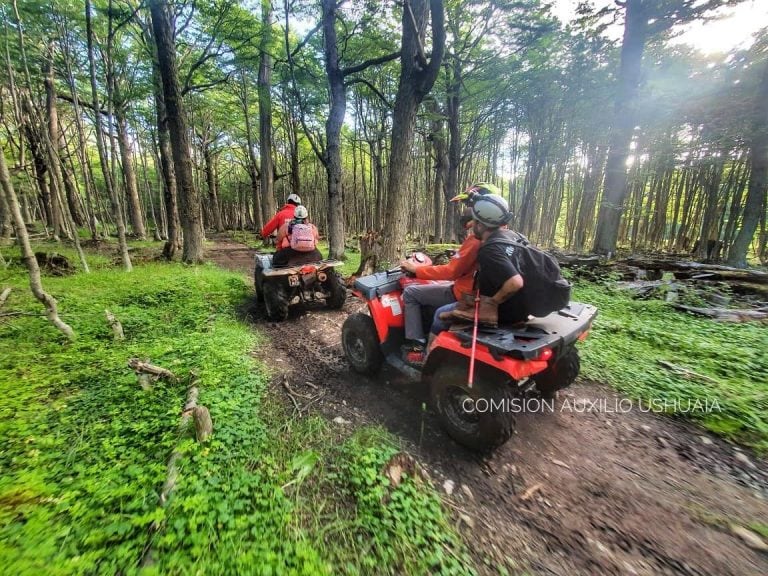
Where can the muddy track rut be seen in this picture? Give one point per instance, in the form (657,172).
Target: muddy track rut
(576,491)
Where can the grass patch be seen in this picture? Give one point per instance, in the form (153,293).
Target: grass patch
(84,449)
(630,337)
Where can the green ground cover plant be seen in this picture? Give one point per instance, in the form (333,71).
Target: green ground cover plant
(631,337)
(84,448)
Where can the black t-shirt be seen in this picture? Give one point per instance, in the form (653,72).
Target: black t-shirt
(498,263)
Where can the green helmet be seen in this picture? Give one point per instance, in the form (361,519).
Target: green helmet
(491,210)
(471,193)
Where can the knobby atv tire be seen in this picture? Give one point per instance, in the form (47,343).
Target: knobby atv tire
(560,375)
(338,292)
(258,285)
(361,344)
(275,301)
(481,430)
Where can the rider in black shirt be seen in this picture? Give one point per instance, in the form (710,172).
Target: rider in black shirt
(500,277)
(500,281)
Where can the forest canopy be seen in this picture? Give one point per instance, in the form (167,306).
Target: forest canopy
(169,118)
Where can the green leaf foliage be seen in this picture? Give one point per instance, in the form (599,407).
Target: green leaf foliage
(630,338)
(85,449)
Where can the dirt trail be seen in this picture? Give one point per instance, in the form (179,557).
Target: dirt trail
(576,491)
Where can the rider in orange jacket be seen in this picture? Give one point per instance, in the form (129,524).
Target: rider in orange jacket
(460,269)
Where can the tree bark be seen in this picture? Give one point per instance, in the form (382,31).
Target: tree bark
(253,165)
(417,77)
(5,219)
(615,187)
(57,140)
(333,125)
(35,282)
(173,239)
(114,198)
(189,200)
(758,179)
(129,174)
(211,182)
(265,112)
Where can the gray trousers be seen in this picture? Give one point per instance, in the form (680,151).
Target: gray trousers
(417,295)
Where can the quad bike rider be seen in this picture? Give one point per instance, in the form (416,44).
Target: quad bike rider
(450,280)
(477,374)
(283,215)
(297,272)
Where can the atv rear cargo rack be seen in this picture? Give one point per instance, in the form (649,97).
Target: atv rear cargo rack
(526,341)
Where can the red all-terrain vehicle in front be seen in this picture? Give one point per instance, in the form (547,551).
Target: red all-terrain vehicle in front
(512,363)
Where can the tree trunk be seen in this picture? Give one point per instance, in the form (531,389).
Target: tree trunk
(615,188)
(253,170)
(265,112)
(114,198)
(39,166)
(758,179)
(333,131)
(438,186)
(416,79)
(56,138)
(5,219)
(189,201)
(173,238)
(29,256)
(454,138)
(129,174)
(210,179)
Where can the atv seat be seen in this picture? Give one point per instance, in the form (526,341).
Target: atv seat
(526,340)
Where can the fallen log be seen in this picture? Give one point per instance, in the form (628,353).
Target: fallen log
(4,296)
(203,423)
(172,476)
(147,368)
(698,270)
(726,314)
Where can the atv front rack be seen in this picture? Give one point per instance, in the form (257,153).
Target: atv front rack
(526,341)
(379,283)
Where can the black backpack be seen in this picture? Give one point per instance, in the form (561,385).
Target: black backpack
(546,290)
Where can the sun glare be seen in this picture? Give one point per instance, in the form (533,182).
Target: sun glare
(734,27)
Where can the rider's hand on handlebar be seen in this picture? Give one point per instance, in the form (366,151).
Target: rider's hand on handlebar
(408,267)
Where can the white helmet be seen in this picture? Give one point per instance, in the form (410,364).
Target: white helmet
(301,213)
(293,199)
(491,210)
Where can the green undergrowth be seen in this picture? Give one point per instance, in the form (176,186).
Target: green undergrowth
(84,449)
(719,371)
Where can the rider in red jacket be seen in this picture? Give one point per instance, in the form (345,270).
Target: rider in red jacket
(283,215)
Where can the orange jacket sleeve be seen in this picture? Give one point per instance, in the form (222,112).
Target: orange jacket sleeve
(461,264)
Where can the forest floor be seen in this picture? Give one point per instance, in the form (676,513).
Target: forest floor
(574,492)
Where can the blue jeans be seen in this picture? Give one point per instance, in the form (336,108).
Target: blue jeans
(437,324)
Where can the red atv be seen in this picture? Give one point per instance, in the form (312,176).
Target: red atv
(513,364)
